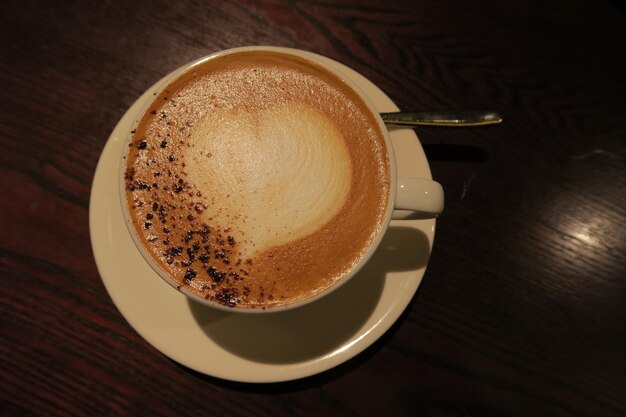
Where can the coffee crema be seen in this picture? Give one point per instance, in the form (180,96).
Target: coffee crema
(257,179)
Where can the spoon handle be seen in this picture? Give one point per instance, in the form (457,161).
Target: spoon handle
(442,118)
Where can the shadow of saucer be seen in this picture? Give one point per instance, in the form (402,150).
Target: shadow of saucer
(319,328)
(455,153)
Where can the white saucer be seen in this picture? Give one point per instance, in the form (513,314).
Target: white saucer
(261,347)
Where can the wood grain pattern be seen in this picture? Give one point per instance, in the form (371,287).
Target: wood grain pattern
(521,312)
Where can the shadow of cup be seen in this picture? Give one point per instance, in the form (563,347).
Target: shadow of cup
(318,328)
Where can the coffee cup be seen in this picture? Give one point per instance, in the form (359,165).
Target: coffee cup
(260,179)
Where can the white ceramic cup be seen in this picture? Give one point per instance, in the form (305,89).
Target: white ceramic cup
(421,196)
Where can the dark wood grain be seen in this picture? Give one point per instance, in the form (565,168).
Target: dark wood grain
(522,311)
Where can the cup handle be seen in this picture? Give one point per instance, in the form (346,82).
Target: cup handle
(421,196)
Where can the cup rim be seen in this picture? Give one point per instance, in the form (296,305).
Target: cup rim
(384,224)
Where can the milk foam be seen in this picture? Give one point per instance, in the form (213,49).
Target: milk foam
(257,179)
(274,175)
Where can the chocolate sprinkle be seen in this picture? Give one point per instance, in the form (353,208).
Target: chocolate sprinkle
(215,274)
(190,274)
(227,297)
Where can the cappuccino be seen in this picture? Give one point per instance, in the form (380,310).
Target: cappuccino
(257,179)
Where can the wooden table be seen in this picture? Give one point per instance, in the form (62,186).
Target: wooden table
(522,310)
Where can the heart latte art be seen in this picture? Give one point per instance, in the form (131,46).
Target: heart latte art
(257,179)
(285,171)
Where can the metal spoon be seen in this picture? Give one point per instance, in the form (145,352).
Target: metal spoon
(442,118)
